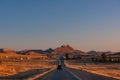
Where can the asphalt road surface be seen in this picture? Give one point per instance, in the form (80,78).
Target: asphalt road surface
(72,74)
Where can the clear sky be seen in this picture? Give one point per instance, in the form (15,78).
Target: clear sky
(41,24)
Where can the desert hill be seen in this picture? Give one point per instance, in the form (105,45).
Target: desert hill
(67,49)
(29,52)
(38,51)
(59,50)
(7,51)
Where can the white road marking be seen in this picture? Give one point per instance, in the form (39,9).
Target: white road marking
(37,76)
(44,78)
(73,74)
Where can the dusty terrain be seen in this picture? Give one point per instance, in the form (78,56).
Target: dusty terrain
(110,70)
(11,68)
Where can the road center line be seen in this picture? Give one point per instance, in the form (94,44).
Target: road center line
(73,74)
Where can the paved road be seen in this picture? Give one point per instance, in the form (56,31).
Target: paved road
(72,74)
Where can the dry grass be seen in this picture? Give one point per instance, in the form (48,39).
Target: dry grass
(11,68)
(11,64)
(110,70)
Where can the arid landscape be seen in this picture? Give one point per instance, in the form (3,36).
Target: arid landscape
(109,69)
(19,65)
(23,64)
(59,39)
(11,68)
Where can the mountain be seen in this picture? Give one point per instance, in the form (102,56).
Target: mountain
(29,52)
(59,50)
(117,53)
(33,50)
(7,51)
(50,50)
(92,53)
(67,49)
(98,53)
(39,51)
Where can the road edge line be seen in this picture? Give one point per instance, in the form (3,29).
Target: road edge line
(39,75)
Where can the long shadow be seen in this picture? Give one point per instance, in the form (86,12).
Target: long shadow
(91,76)
(23,75)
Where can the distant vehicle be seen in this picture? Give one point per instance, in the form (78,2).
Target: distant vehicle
(59,67)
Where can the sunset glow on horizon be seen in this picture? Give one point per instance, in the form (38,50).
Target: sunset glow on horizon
(41,24)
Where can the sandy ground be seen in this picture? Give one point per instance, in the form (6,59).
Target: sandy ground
(11,68)
(110,70)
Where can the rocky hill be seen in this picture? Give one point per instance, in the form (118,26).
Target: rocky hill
(30,53)
(59,50)
(67,49)
(7,51)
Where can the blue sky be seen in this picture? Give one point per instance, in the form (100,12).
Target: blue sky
(40,24)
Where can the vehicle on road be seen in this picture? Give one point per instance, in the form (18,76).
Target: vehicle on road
(59,67)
